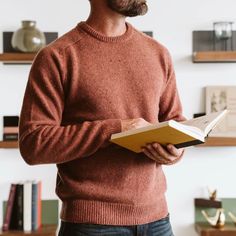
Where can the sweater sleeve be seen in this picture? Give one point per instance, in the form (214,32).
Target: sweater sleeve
(42,138)
(170,106)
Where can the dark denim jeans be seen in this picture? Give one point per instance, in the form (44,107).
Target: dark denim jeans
(158,228)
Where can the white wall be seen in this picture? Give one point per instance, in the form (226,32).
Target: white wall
(172,23)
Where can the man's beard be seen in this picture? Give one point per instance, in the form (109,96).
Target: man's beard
(128,7)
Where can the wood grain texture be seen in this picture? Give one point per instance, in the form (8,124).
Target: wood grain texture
(214,56)
(47,230)
(9,144)
(18,58)
(203,229)
(218,141)
(200,202)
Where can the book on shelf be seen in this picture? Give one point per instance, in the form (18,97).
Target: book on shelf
(10,128)
(9,208)
(27,206)
(217,99)
(16,221)
(23,208)
(36,205)
(180,134)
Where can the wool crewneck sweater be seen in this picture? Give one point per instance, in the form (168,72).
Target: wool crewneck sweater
(79,89)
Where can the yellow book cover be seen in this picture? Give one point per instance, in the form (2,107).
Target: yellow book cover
(180,134)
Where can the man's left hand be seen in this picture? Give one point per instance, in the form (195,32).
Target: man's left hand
(162,155)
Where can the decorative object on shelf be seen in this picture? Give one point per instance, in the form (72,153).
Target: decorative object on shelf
(219,98)
(203,227)
(10,128)
(28,38)
(11,56)
(232,216)
(223,32)
(217,45)
(217,221)
(212,194)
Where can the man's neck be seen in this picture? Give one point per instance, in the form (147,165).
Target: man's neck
(107,22)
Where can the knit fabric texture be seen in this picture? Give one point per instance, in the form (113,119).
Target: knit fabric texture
(79,89)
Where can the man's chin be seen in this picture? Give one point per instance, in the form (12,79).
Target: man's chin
(137,9)
(139,12)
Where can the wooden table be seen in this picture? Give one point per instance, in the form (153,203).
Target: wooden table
(204,229)
(47,230)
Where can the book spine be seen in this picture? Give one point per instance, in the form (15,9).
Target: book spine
(10,121)
(34,206)
(9,208)
(20,205)
(187,144)
(27,206)
(10,137)
(39,217)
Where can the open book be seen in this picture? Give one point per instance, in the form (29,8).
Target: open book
(180,134)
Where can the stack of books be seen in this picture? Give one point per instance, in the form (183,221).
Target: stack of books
(10,128)
(24,207)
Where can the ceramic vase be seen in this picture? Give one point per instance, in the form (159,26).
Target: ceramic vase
(28,38)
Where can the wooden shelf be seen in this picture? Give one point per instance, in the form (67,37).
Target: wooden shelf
(214,56)
(218,142)
(47,230)
(204,229)
(17,58)
(9,144)
(202,202)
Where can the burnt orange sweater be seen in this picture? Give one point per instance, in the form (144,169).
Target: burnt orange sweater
(79,88)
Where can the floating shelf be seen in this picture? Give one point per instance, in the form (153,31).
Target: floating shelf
(9,144)
(17,58)
(218,141)
(47,230)
(214,56)
(204,229)
(202,202)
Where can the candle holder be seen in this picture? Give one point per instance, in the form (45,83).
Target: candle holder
(223,32)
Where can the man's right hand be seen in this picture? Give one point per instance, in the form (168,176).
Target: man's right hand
(133,124)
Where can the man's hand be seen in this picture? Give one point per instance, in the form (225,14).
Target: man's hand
(133,124)
(155,151)
(168,155)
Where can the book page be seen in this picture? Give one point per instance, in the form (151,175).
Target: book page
(193,129)
(217,99)
(205,123)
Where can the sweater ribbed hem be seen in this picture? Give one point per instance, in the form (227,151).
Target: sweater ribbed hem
(95,212)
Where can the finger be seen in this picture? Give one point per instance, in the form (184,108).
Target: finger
(152,150)
(174,151)
(162,152)
(148,154)
(156,158)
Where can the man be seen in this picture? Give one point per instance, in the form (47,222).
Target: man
(100,78)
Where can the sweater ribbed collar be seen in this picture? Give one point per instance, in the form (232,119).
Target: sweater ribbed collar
(91,31)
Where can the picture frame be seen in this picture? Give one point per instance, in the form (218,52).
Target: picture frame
(219,98)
